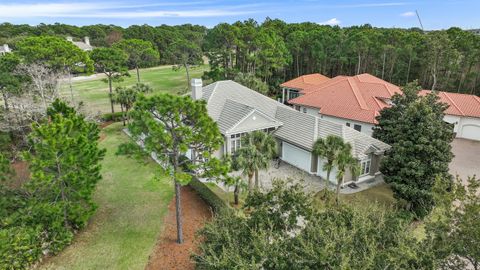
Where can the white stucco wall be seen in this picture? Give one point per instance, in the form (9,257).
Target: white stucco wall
(366,127)
(323,173)
(296,156)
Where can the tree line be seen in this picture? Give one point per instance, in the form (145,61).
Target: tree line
(276,51)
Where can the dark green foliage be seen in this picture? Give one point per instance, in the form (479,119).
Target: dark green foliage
(5,169)
(54,52)
(171,125)
(208,195)
(421,149)
(249,80)
(115,117)
(64,163)
(41,217)
(454,229)
(113,63)
(140,54)
(280,229)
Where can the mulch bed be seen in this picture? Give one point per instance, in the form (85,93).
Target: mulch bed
(167,253)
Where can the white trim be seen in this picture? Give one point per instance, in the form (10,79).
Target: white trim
(276,122)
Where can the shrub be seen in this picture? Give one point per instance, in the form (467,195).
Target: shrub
(281,229)
(209,196)
(20,246)
(115,117)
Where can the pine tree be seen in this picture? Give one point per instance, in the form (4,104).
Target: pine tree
(64,162)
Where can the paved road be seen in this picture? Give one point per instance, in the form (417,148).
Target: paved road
(467,158)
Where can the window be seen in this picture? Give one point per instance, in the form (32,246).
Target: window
(348,124)
(235,142)
(304,110)
(297,108)
(357,127)
(365,166)
(293,94)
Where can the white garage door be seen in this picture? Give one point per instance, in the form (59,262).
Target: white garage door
(296,156)
(471,132)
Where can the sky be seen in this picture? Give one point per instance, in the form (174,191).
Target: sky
(434,14)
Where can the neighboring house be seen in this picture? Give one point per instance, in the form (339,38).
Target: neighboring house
(301,85)
(356,101)
(239,110)
(5,49)
(85,45)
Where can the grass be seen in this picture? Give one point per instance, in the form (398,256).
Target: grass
(129,218)
(381,194)
(163,79)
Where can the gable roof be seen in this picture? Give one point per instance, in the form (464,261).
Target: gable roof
(362,97)
(230,103)
(305,82)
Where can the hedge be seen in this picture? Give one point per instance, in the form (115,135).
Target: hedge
(208,195)
(116,117)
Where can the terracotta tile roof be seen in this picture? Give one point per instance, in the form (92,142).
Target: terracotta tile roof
(358,97)
(306,82)
(459,104)
(363,96)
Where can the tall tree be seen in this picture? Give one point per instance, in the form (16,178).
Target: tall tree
(185,53)
(113,63)
(170,126)
(421,149)
(249,80)
(64,162)
(140,54)
(330,149)
(258,149)
(55,53)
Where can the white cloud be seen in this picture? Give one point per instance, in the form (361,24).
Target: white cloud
(408,14)
(112,10)
(332,21)
(365,5)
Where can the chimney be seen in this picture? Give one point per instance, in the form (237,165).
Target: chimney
(69,38)
(87,40)
(196,88)
(6,48)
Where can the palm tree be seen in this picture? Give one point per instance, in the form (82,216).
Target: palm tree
(258,148)
(126,97)
(329,149)
(344,162)
(246,161)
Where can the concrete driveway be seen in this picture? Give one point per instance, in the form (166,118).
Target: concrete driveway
(467,158)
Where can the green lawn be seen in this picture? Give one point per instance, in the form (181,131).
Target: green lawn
(129,218)
(163,79)
(381,194)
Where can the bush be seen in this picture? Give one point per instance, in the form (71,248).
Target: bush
(115,117)
(20,246)
(281,229)
(209,196)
